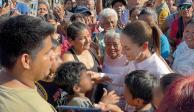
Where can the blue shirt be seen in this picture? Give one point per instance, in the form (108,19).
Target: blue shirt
(164,46)
(22,8)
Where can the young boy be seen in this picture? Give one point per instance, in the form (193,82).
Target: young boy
(165,82)
(138,90)
(74,78)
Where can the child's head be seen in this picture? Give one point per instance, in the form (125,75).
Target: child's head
(139,85)
(188,34)
(165,82)
(73,78)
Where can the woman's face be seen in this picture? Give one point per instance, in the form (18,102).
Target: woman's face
(130,49)
(54,23)
(42,9)
(82,42)
(113,47)
(68,5)
(108,23)
(135,15)
(188,35)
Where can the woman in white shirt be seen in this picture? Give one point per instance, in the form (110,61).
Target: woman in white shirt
(184,54)
(141,44)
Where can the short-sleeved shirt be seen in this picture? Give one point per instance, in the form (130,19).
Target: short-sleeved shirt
(183,59)
(22,8)
(165,46)
(22,100)
(81,102)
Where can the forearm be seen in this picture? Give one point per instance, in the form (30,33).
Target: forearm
(99,6)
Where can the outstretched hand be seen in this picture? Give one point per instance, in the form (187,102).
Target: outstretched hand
(110,97)
(97,78)
(4,9)
(59,12)
(108,107)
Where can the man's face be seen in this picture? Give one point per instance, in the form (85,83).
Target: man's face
(186,11)
(42,63)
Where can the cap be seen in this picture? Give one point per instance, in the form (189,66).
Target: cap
(184,2)
(82,10)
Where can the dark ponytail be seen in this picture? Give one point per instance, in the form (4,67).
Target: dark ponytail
(155,39)
(140,32)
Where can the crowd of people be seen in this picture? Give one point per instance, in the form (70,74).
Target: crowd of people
(97,55)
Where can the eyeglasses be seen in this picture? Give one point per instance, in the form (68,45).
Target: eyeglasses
(184,7)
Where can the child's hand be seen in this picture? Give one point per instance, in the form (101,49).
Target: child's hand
(97,78)
(110,97)
(107,107)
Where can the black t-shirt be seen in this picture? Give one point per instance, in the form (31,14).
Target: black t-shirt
(51,92)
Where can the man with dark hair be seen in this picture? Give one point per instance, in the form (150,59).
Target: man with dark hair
(25,45)
(139,85)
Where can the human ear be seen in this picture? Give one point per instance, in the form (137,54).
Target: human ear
(145,46)
(26,61)
(76,88)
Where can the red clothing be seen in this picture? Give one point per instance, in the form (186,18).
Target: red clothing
(173,32)
(65,45)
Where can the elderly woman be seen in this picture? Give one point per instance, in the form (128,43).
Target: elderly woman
(43,8)
(115,63)
(114,60)
(108,21)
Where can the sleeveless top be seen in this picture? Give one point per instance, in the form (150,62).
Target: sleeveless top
(96,67)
